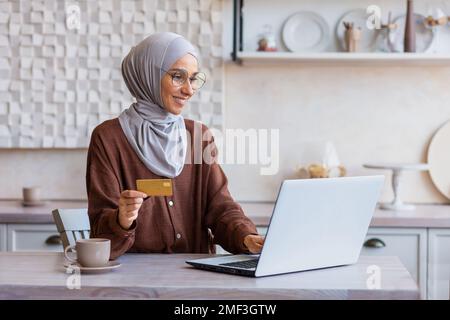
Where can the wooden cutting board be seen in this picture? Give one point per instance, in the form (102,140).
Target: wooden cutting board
(439,159)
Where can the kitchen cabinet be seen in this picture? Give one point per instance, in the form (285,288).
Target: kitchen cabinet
(32,237)
(2,237)
(409,244)
(439,264)
(31,228)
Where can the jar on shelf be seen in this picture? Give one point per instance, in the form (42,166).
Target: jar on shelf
(266,41)
(319,159)
(384,38)
(384,41)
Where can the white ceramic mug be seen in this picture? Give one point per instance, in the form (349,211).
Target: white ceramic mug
(93,252)
(31,194)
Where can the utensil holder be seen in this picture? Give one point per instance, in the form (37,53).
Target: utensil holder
(352,37)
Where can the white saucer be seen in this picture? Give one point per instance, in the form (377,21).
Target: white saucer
(110,266)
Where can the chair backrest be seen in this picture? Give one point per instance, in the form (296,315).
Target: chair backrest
(72,224)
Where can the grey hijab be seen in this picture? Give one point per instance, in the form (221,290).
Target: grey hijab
(156,135)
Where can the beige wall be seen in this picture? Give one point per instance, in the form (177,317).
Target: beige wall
(59,172)
(371,114)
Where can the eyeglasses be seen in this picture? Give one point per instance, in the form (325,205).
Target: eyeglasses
(180,76)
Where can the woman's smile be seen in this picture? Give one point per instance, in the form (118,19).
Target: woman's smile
(180,101)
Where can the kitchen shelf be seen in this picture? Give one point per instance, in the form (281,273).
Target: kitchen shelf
(357,58)
(242,55)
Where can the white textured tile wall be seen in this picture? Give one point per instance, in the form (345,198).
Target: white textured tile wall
(57,84)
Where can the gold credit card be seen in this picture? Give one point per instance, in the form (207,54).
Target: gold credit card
(155,187)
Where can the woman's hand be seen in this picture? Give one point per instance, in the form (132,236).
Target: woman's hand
(129,203)
(254,243)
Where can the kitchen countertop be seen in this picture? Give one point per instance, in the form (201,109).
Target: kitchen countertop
(425,216)
(39,275)
(12,211)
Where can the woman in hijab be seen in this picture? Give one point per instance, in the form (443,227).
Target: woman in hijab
(149,140)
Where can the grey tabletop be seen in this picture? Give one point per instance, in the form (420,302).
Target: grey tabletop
(31,275)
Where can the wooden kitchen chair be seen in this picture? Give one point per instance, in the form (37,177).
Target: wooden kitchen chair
(72,224)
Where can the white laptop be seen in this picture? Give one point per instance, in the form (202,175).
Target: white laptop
(316,223)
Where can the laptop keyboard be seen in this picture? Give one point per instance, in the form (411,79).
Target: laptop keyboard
(245,264)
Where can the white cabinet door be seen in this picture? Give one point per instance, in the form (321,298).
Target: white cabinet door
(33,237)
(409,244)
(2,237)
(438,264)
